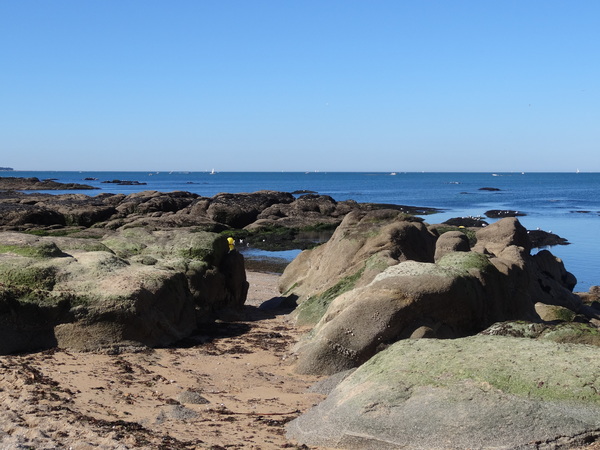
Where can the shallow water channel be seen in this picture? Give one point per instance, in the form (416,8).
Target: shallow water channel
(267,261)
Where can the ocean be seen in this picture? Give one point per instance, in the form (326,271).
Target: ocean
(567,204)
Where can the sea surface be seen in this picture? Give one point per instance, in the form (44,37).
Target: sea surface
(567,204)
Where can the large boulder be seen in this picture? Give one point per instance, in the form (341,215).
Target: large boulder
(239,210)
(149,202)
(29,215)
(456,297)
(135,286)
(450,242)
(81,210)
(562,330)
(475,392)
(367,288)
(306,211)
(363,245)
(499,235)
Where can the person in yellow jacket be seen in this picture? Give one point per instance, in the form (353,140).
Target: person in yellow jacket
(231,242)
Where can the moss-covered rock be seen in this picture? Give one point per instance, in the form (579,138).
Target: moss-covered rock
(476,392)
(33,250)
(449,300)
(561,332)
(311,311)
(551,313)
(465,261)
(364,241)
(29,277)
(136,286)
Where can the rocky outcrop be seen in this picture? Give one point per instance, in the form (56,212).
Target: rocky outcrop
(494,238)
(304,211)
(132,287)
(468,221)
(541,238)
(240,210)
(363,245)
(378,280)
(125,182)
(158,210)
(561,329)
(450,242)
(514,374)
(475,392)
(35,184)
(500,213)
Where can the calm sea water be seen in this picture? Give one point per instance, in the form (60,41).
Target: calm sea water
(567,204)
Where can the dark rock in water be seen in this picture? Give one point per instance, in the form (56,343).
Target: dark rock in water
(35,184)
(499,213)
(466,222)
(418,210)
(90,179)
(492,189)
(540,238)
(125,182)
(303,191)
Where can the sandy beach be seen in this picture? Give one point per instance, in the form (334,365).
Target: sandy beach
(229,388)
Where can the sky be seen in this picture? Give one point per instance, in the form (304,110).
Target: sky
(291,85)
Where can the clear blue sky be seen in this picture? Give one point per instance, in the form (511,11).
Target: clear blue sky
(245,85)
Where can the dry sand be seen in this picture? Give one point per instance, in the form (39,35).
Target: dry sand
(230,388)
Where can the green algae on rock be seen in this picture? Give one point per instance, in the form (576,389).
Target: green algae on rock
(136,285)
(474,392)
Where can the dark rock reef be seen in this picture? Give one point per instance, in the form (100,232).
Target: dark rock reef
(263,210)
(35,184)
(500,213)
